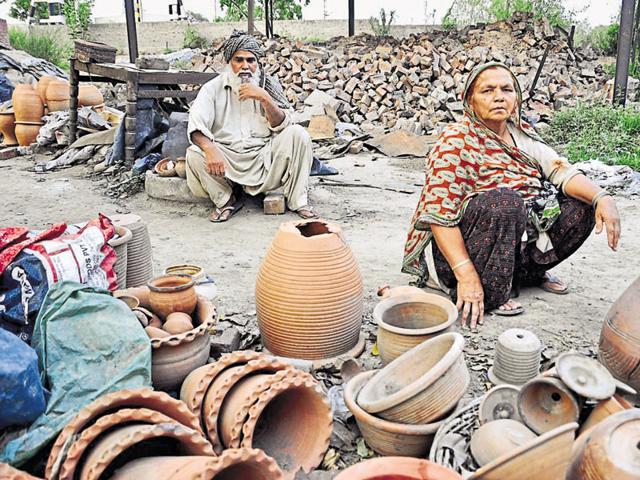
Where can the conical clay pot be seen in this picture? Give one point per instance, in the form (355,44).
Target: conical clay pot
(309,292)
(619,348)
(397,468)
(8,129)
(26,133)
(385,437)
(610,450)
(408,319)
(27,105)
(421,385)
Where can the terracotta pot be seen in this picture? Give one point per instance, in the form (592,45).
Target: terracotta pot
(546,403)
(397,468)
(155,332)
(141,293)
(383,436)
(89,96)
(7,472)
(309,293)
(181,167)
(177,322)
(134,398)
(131,301)
(406,320)
(421,385)
(497,438)
(8,128)
(194,271)
(172,293)
(27,105)
(545,458)
(234,464)
(175,356)
(41,88)
(58,95)
(603,410)
(123,444)
(26,133)
(292,422)
(609,451)
(165,168)
(619,348)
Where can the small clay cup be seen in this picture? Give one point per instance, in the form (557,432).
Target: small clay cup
(172,293)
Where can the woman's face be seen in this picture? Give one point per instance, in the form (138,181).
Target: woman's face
(493,98)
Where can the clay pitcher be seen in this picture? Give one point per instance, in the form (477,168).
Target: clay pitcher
(619,348)
(27,105)
(8,129)
(58,95)
(27,132)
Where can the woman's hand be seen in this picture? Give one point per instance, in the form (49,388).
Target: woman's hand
(607,215)
(470,295)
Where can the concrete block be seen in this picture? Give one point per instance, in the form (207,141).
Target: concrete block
(8,152)
(226,342)
(171,188)
(274,203)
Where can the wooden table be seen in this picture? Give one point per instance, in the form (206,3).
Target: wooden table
(168,86)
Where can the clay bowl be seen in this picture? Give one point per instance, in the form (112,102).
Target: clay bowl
(194,271)
(172,293)
(177,322)
(544,458)
(397,468)
(165,168)
(603,410)
(497,438)
(406,320)
(546,403)
(383,436)
(421,385)
(8,128)
(131,301)
(26,133)
(609,451)
(175,356)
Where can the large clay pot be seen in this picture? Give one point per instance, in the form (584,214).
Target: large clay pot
(90,96)
(400,468)
(421,385)
(383,436)
(43,83)
(26,133)
(609,451)
(175,356)
(309,293)
(8,128)
(619,348)
(27,105)
(546,403)
(172,293)
(234,464)
(58,95)
(406,320)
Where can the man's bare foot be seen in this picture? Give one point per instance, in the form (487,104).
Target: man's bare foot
(508,309)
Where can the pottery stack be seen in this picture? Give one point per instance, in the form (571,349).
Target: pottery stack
(309,293)
(119,244)
(28,110)
(139,255)
(400,407)
(57,95)
(251,400)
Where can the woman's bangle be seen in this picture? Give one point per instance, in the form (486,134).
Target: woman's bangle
(598,196)
(459,264)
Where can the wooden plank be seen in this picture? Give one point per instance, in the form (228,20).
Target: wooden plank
(167,94)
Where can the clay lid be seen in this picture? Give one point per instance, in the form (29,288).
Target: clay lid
(500,402)
(585,376)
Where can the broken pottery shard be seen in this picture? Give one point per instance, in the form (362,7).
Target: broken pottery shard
(401,143)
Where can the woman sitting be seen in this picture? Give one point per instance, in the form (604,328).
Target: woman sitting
(502,206)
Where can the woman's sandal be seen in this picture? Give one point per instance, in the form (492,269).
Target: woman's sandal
(507,313)
(551,279)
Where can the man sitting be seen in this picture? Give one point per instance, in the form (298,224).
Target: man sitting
(240,132)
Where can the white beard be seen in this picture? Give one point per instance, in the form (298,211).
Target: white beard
(235,80)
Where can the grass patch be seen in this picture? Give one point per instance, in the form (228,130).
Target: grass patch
(44,45)
(597,132)
(193,39)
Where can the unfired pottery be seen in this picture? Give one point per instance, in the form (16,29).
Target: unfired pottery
(619,348)
(546,403)
(497,438)
(172,293)
(421,385)
(408,319)
(8,128)
(27,105)
(517,360)
(383,436)
(309,293)
(26,133)
(397,468)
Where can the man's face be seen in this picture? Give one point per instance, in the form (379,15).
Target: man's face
(244,62)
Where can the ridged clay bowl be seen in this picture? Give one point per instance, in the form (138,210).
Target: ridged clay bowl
(421,385)
(406,320)
(385,437)
(397,468)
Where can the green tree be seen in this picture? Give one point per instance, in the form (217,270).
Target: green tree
(20,10)
(77,16)
(236,10)
(382,26)
(473,11)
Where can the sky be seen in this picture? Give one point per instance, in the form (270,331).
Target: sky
(595,12)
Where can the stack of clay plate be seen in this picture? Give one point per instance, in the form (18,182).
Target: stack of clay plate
(139,256)
(119,243)
(517,357)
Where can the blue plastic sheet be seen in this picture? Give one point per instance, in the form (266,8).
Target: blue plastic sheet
(88,344)
(6,88)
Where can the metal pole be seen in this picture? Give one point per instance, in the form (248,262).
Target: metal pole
(352,18)
(624,52)
(250,10)
(132,36)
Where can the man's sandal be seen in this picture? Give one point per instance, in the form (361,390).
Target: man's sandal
(223,214)
(307,213)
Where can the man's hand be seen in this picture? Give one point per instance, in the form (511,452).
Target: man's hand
(249,91)
(214,162)
(607,215)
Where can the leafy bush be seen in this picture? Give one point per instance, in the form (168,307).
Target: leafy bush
(597,132)
(77,16)
(381,26)
(192,39)
(42,45)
